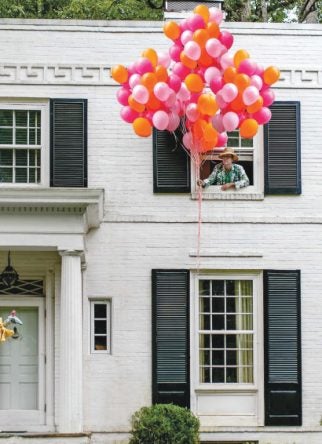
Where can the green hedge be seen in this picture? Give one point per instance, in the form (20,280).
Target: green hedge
(164,424)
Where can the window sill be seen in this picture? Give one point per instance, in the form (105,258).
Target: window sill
(215,193)
(237,388)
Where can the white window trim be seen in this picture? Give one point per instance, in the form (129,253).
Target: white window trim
(43,107)
(258,334)
(252,192)
(108,303)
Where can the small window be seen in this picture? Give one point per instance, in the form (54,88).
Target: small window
(20,146)
(101,326)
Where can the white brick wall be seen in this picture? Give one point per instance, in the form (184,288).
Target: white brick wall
(142,231)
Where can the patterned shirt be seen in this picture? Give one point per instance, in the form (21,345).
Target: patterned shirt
(220,176)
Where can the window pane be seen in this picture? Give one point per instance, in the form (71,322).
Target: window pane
(5,157)
(231,357)
(247,143)
(231,341)
(218,357)
(218,322)
(218,375)
(21,136)
(6,117)
(204,357)
(6,136)
(232,288)
(246,288)
(21,158)
(231,322)
(38,119)
(205,374)
(100,342)
(38,172)
(204,305)
(100,327)
(204,288)
(204,341)
(218,305)
(218,341)
(21,175)
(204,322)
(38,156)
(38,141)
(6,175)
(32,175)
(32,158)
(246,341)
(32,136)
(100,311)
(218,288)
(231,374)
(21,118)
(231,305)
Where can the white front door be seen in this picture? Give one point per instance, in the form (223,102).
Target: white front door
(22,367)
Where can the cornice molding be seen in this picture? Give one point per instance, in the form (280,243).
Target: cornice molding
(99,75)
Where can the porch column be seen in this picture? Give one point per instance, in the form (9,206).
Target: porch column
(71,338)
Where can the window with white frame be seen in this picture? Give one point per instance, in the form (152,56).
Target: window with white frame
(226,331)
(101,326)
(20,146)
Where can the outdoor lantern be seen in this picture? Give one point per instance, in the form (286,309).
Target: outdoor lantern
(9,276)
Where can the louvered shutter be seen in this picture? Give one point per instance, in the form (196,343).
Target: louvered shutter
(170,337)
(282,147)
(283,404)
(68,143)
(171,164)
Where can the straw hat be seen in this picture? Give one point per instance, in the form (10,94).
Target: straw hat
(229,152)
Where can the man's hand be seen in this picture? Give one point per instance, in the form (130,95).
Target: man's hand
(227,186)
(200,183)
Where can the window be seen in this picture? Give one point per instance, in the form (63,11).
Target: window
(226,332)
(23,159)
(100,326)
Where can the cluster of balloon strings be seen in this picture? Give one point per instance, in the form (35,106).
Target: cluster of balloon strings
(197,87)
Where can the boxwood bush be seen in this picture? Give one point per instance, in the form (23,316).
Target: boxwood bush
(164,424)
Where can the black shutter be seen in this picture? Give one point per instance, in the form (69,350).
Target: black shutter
(68,143)
(171,164)
(282,337)
(170,337)
(282,146)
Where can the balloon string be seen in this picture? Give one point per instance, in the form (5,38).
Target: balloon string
(199,198)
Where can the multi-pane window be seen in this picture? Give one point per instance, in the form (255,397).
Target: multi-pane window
(20,146)
(100,327)
(226,334)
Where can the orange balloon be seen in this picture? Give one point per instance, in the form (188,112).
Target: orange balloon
(237,104)
(194,83)
(207,104)
(203,11)
(198,129)
(142,127)
(149,79)
(248,128)
(208,146)
(213,30)
(153,103)
(241,81)
(139,107)
(152,55)
(210,134)
(256,106)
(119,73)
(205,59)
(200,36)
(161,73)
(271,75)
(239,56)
(172,30)
(186,61)
(230,74)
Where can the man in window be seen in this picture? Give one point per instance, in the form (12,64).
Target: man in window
(227,174)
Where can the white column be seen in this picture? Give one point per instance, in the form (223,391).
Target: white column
(70,413)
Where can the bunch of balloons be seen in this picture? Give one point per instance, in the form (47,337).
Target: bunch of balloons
(197,84)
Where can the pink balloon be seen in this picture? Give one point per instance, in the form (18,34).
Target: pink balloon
(174,122)
(196,22)
(230,121)
(184,25)
(213,47)
(180,70)
(211,73)
(247,66)
(186,36)
(175,52)
(164,59)
(222,139)
(192,112)
(176,109)
(161,91)
(226,60)
(226,39)
(160,120)
(268,97)
(192,50)
(128,114)
(229,92)
(256,81)
(217,123)
(134,80)
(194,97)
(259,70)
(220,100)
(131,69)
(141,94)
(143,65)
(216,15)
(188,140)
(171,100)
(149,115)
(216,84)
(263,115)
(122,96)
(174,82)
(241,116)
(250,95)
(184,93)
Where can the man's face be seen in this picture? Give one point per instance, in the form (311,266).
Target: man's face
(227,162)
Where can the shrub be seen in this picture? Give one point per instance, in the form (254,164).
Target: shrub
(164,424)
